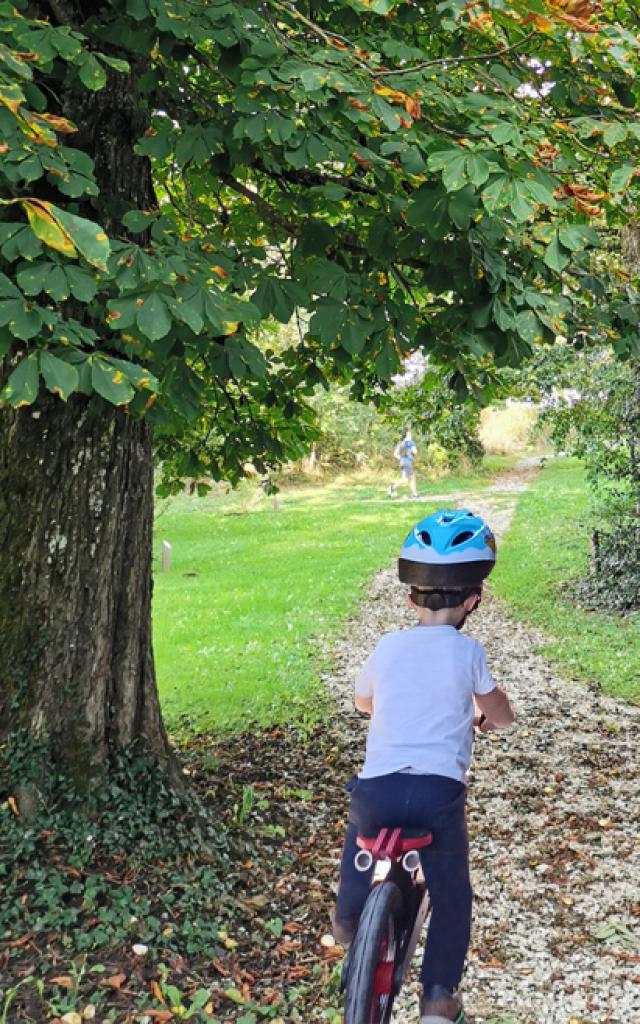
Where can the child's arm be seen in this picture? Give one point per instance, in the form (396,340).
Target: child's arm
(363,690)
(496,708)
(364,704)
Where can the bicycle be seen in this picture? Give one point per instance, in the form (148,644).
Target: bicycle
(390,925)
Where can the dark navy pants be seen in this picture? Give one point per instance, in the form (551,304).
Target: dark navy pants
(436,804)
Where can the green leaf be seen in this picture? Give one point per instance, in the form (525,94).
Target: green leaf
(57,285)
(353,333)
(189,314)
(528,326)
(577,236)
(521,207)
(429,210)
(22,386)
(109,381)
(539,192)
(253,357)
(614,133)
(139,220)
(502,315)
(498,192)
(32,277)
(504,133)
(19,240)
(462,206)
(452,163)
(555,257)
(114,62)
(478,169)
(83,285)
(8,289)
(621,178)
(154,319)
(387,362)
(122,313)
(25,322)
(92,74)
(59,376)
(272,299)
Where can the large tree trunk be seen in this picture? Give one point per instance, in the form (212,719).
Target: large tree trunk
(76,664)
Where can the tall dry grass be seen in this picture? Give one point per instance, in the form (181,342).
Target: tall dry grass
(510,428)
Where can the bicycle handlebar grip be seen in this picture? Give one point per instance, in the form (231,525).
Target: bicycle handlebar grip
(363,860)
(411,861)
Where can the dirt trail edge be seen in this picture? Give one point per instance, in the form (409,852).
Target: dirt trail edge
(553,818)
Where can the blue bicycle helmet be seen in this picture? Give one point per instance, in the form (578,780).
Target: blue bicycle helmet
(450,548)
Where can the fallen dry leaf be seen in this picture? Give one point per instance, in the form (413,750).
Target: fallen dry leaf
(63,980)
(115,981)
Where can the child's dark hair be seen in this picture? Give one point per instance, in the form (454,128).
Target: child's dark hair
(440,598)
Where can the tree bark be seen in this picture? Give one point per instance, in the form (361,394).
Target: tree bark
(76,510)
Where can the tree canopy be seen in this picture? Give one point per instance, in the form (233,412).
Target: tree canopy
(398,175)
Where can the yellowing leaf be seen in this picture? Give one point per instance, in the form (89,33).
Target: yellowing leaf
(230,326)
(11,800)
(45,226)
(12,103)
(58,124)
(393,95)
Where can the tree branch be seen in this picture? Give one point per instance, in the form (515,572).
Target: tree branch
(449,61)
(268,211)
(307,177)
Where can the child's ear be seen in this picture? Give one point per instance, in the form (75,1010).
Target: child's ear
(471,603)
(409,601)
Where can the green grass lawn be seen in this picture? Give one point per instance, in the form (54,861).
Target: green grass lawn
(248,591)
(546,547)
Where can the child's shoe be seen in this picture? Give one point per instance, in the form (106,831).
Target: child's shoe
(440,1005)
(341,933)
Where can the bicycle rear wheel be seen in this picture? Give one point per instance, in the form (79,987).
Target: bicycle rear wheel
(372,958)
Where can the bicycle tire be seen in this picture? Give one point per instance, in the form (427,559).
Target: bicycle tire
(376,943)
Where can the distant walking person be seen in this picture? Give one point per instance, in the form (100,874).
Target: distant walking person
(405,451)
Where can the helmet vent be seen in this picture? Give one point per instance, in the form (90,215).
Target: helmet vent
(461,538)
(425,537)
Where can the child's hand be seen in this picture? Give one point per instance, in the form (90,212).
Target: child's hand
(482,723)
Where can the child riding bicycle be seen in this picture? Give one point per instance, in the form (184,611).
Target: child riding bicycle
(420,686)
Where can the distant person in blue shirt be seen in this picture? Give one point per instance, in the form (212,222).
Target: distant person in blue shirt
(405,451)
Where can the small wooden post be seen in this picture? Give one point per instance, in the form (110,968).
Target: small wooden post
(276,503)
(166,556)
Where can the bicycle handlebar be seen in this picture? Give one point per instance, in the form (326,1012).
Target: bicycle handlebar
(390,844)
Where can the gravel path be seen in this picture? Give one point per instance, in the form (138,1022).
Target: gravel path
(553,819)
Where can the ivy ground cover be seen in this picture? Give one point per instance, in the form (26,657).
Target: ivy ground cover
(542,557)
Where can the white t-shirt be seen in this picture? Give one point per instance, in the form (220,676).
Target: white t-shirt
(422,681)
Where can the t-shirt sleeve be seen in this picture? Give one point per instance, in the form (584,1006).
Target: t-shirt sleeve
(367,677)
(483,681)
